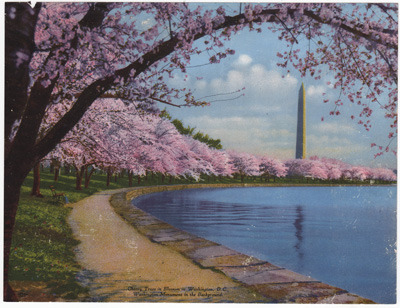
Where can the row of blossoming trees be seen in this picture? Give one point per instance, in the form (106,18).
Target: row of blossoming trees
(115,137)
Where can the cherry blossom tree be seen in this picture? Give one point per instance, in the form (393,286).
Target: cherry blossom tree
(114,136)
(244,164)
(165,151)
(307,168)
(221,163)
(102,139)
(340,170)
(272,167)
(297,167)
(358,173)
(203,155)
(383,174)
(334,167)
(75,53)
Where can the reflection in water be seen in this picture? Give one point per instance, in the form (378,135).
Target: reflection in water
(348,241)
(298,224)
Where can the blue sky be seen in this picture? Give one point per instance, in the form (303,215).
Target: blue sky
(264,120)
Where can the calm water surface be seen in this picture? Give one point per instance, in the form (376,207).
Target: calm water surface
(343,236)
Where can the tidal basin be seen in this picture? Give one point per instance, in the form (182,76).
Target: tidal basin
(343,236)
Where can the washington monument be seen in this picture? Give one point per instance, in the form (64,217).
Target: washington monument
(301,125)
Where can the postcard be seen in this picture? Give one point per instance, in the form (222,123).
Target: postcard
(200,152)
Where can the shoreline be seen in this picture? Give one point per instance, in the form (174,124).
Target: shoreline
(276,284)
(138,191)
(122,265)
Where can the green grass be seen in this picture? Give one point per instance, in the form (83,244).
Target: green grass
(43,245)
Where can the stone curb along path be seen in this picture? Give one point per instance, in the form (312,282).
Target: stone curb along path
(276,284)
(119,264)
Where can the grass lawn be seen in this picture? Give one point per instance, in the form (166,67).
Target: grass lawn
(42,249)
(43,246)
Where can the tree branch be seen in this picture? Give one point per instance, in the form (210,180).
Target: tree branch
(95,15)
(354,30)
(386,9)
(393,72)
(287,29)
(31,120)
(108,95)
(99,87)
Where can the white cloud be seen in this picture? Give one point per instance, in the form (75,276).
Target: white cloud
(205,122)
(328,141)
(264,120)
(179,81)
(147,22)
(335,128)
(242,61)
(339,152)
(201,84)
(334,141)
(316,91)
(261,84)
(257,135)
(261,122)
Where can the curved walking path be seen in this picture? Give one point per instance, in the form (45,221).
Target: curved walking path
(122,265)
(129,255)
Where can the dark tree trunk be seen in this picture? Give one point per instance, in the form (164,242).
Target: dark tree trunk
(20,22)
(11,198)
(242,178)
(130,177)
(170,179)
(138,180)
(88,176)
(56,173)
(15,171)
(162,178)
(36,181)
(109,174)
(146,177)
(79,177)
(22,153)
(86,172)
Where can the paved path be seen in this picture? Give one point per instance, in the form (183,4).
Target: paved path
(122,265)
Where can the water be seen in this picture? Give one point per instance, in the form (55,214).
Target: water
(343,236)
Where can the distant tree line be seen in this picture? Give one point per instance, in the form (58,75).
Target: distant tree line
(189,131)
